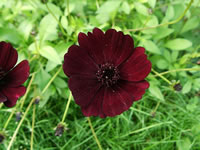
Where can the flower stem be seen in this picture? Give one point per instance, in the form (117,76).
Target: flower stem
(68,10)
(33,124)
(20,123)
(29,106)
(177,70)
(94,134)
(161,76)
(28,89)
(8,120)
(60,25)
(167,23)
(67,107)
(1,105)
(49,83)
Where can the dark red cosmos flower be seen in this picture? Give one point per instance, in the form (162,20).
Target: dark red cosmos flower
(106,73)
(11,78)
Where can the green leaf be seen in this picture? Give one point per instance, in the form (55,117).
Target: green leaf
(184,144)
(48,28)
(142,9)
(10,35)
(25,28)
(105,11)
(162,64)
(178,44)
(187,87)
(60,83)
(151,46)
(55,9)
(162,32)
(50,53)
(152,3)
(155,91)
(192,23)
(125,7)
(169,13)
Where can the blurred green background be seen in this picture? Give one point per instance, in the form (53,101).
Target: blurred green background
(165,119)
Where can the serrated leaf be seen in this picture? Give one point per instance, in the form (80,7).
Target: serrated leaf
(55,9)
(151,46)
(50,53)
(162,64)
(25,28)
(178,44)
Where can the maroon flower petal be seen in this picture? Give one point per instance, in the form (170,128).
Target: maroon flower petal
(95,107)
(135,89)
(137,67)
(18,75)
(94,44)
(8,56)
(116,101)
(2,98)
(13,94)
(118,47)
(83,89)
(77,61)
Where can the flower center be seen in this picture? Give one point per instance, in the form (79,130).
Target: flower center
(107,74)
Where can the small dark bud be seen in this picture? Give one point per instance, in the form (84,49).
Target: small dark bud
(178,87)
(37,100)
(2,138)
(44,1)
(18,116)
(59,130)
(60,34)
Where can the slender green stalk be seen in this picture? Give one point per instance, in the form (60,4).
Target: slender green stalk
(29,106)
(33,124)
(94,134)
(49,83)
(158,74)
(178,70)
(60,25)
(164,24)
(19,125)
(8,120)
(68,10)
(67,107)
(97,4)
(28,89)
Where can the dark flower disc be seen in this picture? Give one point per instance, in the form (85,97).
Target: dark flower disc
(11,77)
(106,73)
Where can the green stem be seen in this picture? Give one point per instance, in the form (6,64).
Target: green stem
(49,83)
(19,125)
(8,120)
(68,10)
(29,106)
(60,25)
(177,70)
(28,89)
(167,23)
(33,124)
(67,107)
(158,74)
(94,134)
